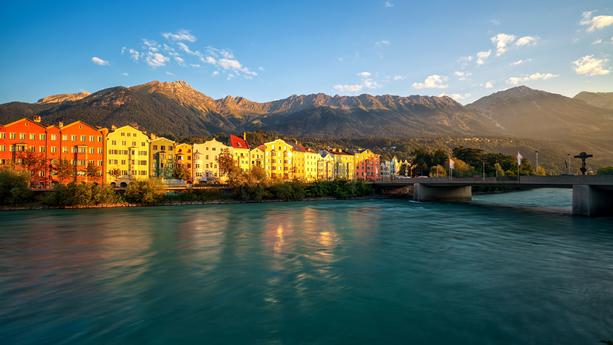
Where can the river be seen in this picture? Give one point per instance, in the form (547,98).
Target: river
(328,272)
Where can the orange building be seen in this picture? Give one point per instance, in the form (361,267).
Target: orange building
(27,145)
(23,146)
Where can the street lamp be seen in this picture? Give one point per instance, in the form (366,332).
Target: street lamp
(537,158)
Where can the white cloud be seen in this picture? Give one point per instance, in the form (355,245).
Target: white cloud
(462,75)
(591,66)
(225,60)
(388,4)
(194,65)
(348,88)
(598,41)
(433,81)
(366,83)
(502,42)
(520,62)
(169,73)
(488,84)
(215,73)
(595,23)
(382,43)
(184,47)
(398,77)
(526,41)
(458,97)
(531,77)
(181,35)
(179,60)
(482,56)
(156,60)
(100,62)
(125,74)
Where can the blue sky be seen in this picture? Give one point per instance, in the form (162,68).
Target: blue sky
(265,50)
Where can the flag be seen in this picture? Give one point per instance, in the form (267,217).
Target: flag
(519,158)
(451,163)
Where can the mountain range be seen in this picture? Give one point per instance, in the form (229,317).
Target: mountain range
(178,109)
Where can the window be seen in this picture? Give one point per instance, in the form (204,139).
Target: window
(73,138)
(123,143)
(42,136)
(2,148)
(22,136)
(155,147)
(123,134)
(13,136)
(163,147)
(142,143)
(53,149)
(134,143)
(99,138)
(2,135)
(53,137)
(64,137)
(32,136)
(113,142)
(42,149)
(64,149)
(91,138)
(92,150)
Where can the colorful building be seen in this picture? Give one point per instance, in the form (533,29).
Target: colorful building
(127,150)
(344,165)
(325,166)
(278,160)
(161,157)
(206,160)
(23,146)
(239,148)
(257,156)
(367,165)
(83,146)
(183,158)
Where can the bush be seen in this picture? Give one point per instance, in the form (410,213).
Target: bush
(605,171)
(288,191)
(83,194)
(147,192)
(14,187)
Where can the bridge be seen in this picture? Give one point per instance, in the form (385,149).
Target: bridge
(592,195)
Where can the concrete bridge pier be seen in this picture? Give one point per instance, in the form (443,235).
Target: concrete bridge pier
(592,201)
(425,192)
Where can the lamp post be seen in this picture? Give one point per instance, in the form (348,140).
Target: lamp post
(537,159)
(569,164)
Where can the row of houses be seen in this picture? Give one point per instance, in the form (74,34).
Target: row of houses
(84,153)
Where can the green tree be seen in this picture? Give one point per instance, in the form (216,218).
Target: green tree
(63,169)
(605,171)
(499,170)
(32,162)
(146,192)
(92,171)
(14,187)
(181,172)
(115,173)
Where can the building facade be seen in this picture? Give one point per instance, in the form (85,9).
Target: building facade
(183,158)
(161,157)
(367,165)
(325,166)
(206,160)
(239,148)
(278,160)
(127,155)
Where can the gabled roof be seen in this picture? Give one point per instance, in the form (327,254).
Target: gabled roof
(83,123)
(23,119)
(238,142)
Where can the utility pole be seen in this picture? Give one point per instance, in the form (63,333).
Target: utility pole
(569,164)
(537,159)
(483,162)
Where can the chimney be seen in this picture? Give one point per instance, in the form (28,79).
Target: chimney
(113,127)
(245,136)
(153,136)
(60,124)
(37,118)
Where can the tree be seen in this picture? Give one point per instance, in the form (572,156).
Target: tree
(92,170)
(14,187)
(605,171)
(462,169)
(438,171)
(540,171)
(499,170)
(229,168)
(181,172)
(32,162)
(63,169)
(115,173)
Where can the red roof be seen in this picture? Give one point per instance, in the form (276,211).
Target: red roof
(238,142)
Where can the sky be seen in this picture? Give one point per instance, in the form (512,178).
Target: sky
(267,50)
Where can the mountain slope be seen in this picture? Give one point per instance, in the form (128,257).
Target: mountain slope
(596,99)
(527,113)
(178,109)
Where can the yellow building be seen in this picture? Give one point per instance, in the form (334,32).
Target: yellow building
(239,148)
(256,156)
(344,165)
(278,160)
(127,155)
(206,163)
(325,166)
(183,157)
(161,157)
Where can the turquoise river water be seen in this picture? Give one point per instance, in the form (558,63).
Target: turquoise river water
(328,272)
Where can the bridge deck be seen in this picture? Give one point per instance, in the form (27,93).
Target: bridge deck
(527,181)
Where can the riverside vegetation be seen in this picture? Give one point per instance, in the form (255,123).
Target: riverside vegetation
(15,192)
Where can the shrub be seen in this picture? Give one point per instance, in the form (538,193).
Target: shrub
(288,191)
(14,187)
(82,194)
(147,192)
